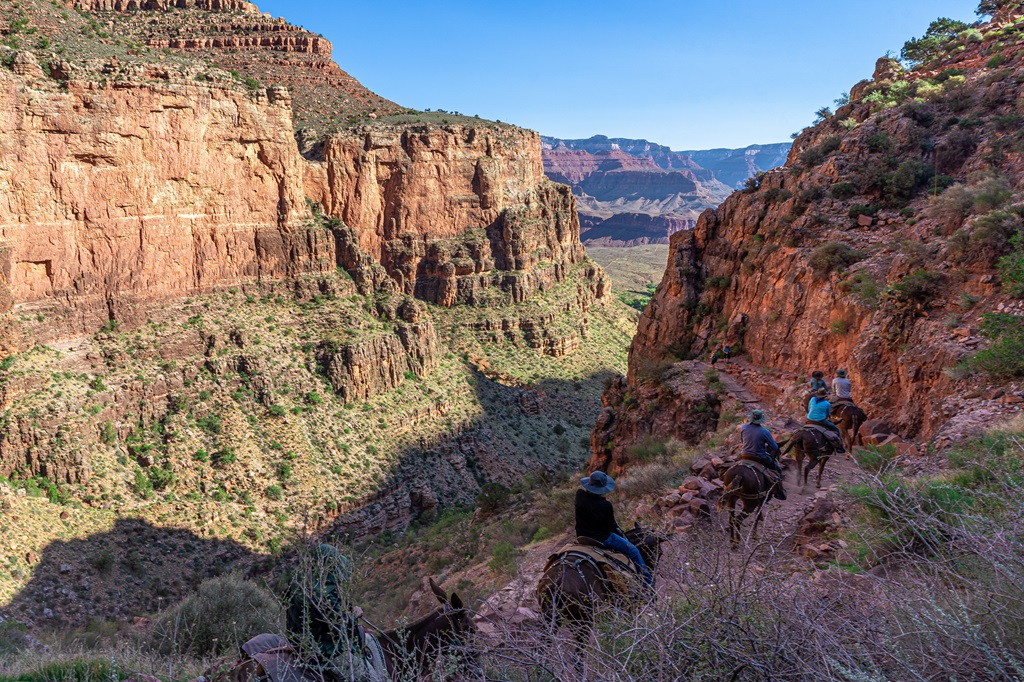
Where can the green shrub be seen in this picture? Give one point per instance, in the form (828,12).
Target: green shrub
(1011,267)
(832,256)
(863,287)
(212,424)
(649,449)
(503,558)
(493,498)
(220,616)
(996,61)
(875,458)
(225,455)
(719,282)
(955,149)
(161,477)
(906,180)
(108,434)
(776,195)
(843,190)
(857,210)
(1004,358)
(813,156)
(275,492)
(277,411)
(919,287)
(141,484)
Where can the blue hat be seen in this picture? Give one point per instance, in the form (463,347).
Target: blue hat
(598,483)
(757,417)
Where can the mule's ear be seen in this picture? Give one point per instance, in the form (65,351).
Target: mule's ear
(456,602)
(636,525)
(441,595)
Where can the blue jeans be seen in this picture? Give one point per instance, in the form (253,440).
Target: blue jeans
(618,543)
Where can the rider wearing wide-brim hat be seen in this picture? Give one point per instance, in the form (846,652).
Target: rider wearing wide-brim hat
(841,385)
(595,519)
(759,446)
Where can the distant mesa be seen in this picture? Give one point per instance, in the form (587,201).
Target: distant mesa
(635,192)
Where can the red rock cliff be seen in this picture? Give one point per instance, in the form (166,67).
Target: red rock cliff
(121,196)
(852,256)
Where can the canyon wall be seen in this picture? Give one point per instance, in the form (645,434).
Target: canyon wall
(856,255)
(637,191)
(118,197)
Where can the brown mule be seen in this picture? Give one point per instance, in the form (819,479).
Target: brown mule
(848,417)
(815,447)
(410,651)
(570,591)
(406,653)
(747,481)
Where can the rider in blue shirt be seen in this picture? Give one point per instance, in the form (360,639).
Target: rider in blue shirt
(818,410)
(759,446)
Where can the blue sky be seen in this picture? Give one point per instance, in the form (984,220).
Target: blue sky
(692,74)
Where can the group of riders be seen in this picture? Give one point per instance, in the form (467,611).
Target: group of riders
(595,517)
(332,626)
(759,446)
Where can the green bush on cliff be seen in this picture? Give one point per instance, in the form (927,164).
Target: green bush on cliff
(1011,267)
(1005,357)
(832,256)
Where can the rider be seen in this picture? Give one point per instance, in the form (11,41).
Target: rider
(817,381)
(595,519)
(818,410)
(841,386)
(759,446)
(320,619)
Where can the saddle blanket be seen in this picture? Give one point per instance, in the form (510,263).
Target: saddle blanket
(616,568)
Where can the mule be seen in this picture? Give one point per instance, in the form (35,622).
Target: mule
(570,592)
(848,417)
(746,482)
(815,447)
(410,650)
(404,653)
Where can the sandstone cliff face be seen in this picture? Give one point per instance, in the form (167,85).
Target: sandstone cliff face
(362,369)
(452,211)
(841,259)
(116,197)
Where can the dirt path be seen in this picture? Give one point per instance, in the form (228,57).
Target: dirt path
(781,519)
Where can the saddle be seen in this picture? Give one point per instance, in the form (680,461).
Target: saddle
(825,435)
(280,662)
(769,476)
(616,568)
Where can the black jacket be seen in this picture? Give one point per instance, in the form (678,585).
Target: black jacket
(595,517)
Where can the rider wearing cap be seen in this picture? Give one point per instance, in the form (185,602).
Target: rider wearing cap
(759,446)
(817,381)
(595,519)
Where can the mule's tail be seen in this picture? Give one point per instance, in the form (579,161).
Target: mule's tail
(786,445)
